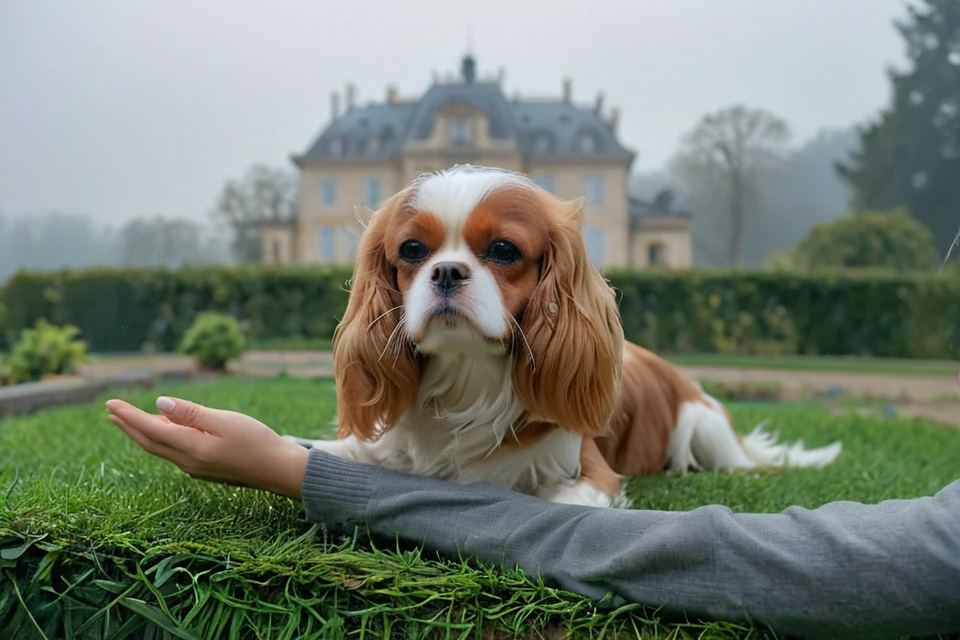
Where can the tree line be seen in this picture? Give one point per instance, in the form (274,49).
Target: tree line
(58,240)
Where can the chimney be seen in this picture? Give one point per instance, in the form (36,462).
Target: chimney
(334,105)
(599,106)
(351,95)
(567,90)
(614,119)
(392,97)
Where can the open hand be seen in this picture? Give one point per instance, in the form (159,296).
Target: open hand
(215,445)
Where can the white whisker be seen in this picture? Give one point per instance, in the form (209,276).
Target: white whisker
(533,363)
(390,338)
(953,245)
(360,221)
(383,315)
(400,345)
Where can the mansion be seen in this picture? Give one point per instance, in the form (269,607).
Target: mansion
(366,153)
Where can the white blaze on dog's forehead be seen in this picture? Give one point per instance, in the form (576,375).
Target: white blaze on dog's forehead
(453,194)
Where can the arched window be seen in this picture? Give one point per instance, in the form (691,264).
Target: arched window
(656,254)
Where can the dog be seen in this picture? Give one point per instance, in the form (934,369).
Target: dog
(481,344)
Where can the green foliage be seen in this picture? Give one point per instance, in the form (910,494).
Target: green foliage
(44,350)
(214,339)
(910,156)
(100,538)
(763,313)
(827,314)
(871,239)
(129,310)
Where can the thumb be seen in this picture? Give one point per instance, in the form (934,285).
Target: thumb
(190,414)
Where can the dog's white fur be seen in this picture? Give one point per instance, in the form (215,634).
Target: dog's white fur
(466,405)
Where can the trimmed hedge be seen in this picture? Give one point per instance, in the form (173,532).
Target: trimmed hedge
(134,310)
(671,312)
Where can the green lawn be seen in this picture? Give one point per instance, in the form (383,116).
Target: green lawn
(818,363)
(118,541)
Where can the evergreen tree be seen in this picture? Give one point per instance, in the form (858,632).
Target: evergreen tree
(910,157)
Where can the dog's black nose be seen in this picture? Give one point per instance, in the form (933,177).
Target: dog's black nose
(448,276)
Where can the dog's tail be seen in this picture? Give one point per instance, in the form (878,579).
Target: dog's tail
(704,438)
(762,448)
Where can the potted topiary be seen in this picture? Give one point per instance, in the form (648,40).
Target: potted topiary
(214,339)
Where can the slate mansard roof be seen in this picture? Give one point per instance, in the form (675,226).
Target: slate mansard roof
(542,129)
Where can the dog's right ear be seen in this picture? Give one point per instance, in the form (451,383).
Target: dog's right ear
(377,371)
(572,332)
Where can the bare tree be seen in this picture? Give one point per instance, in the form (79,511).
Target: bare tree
(264,193)
(727,153)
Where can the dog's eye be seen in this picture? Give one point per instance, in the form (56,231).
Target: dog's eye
(503,252)
(413,251)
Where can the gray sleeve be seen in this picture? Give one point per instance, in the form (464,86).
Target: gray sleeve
(845,569)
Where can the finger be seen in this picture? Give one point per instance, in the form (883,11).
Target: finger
(115,405)
(156,428)
(150,446)
(192,414)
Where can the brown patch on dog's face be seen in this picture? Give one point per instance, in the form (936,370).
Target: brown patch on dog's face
(511,217)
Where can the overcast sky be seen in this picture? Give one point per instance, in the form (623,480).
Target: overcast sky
(117,108)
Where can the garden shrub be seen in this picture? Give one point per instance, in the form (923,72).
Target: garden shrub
(44,350)
(214,339)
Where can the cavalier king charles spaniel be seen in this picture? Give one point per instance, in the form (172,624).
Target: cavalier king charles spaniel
(481,344)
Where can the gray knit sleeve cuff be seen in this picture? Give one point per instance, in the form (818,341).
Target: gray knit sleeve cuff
(335,492)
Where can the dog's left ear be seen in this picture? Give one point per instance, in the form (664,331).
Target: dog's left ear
(572,325)
(375,384)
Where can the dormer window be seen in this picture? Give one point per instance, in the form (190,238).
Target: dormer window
(386,138)
(587,142)
(461,132)
(336,146)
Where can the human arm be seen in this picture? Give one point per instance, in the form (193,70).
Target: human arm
(845,569)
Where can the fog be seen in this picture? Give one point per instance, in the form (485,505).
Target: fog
(115,110)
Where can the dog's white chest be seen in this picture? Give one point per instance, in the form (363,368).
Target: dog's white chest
(463,416)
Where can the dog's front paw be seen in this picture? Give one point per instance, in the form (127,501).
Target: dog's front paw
(303,442)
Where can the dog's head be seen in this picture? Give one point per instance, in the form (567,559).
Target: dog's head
(478,261)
